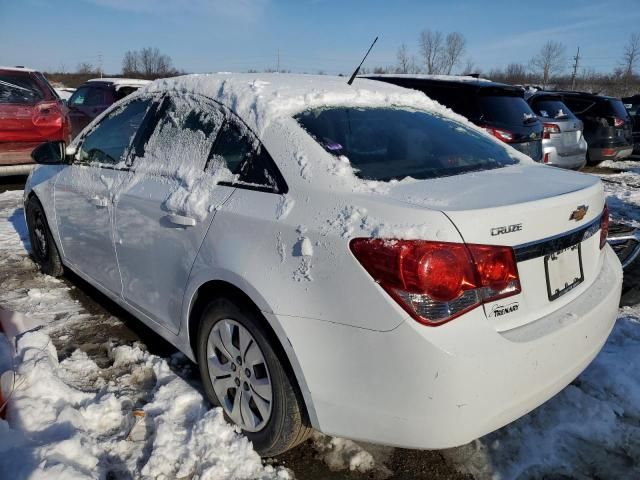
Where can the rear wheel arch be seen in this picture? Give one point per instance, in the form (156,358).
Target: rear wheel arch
(220,288)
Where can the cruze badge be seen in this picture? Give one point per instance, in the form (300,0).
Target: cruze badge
(506,229)
(579,213)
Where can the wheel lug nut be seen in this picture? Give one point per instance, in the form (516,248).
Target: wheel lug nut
(247,372)
(237,382)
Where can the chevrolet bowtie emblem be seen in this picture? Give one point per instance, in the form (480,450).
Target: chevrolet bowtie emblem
(579,213)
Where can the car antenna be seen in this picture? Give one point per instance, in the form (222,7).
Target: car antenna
(357,70)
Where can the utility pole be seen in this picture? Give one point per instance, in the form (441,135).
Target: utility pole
(100,63)
(278,64)
(575,69)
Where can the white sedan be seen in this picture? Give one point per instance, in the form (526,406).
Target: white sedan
(354,259)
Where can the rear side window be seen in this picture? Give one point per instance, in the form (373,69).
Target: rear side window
(387,143)
(19,88)
(553,109)
(242,153)
(505,109)
(108,143)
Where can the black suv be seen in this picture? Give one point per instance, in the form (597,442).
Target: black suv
(632,105)
(607,125)
(498,108)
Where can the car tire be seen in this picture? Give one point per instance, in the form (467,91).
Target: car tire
(287,424)
(43,247)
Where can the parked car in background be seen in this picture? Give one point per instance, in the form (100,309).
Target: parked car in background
(30,113)
(64,92)
(94,96)
(414,283)
(607,125)
(500,109)
(563,143)
(632,104)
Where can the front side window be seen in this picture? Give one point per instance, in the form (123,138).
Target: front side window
(109,141)
(393,143)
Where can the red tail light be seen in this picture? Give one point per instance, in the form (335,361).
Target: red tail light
(504,135)
(47,114)
(618,122)
(604,226)
(546,158)
(436,282)
(548,129)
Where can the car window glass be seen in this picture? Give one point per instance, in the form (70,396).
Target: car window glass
(239,151)
(505,109)
(183,136)
(553,109)
(387,143)
(19,88)
(79,96)
(578,105)
(108,142)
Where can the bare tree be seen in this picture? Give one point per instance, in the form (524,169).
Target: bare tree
(454,48)
(403,59)
(130,65)
(631,56)
(431,47)
(470,67)
(515,73)
(148,62)
(550,60)
(85,68)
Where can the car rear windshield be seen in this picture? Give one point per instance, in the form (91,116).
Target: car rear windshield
(617,108)
(392,143)
(553,109)
(506,109)
(19,88)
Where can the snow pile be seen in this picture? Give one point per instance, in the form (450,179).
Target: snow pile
(58,430)
(342,454)
(623,192)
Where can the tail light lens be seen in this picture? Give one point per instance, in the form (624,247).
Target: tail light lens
(548,129)
(604,226)
(436,282)
(618,122)
(546,158)
(47,114)
(504,135)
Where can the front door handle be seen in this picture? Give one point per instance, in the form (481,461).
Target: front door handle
(99,202)
(181,220)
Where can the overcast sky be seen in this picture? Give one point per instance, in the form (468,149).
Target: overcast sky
(310,35)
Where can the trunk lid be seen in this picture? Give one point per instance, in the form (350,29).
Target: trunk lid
(536,210)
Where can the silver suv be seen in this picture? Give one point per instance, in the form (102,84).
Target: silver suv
(563,143)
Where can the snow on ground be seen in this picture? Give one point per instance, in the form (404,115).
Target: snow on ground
(137,417)
(72,419)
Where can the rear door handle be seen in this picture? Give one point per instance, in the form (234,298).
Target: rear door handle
(181,220)
(100,202)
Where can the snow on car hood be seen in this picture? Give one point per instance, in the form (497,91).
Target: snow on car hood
(491,188)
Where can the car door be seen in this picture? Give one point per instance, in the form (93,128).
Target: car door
(85,104)
(164,213)
(85,192)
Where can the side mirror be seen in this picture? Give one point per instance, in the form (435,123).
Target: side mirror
(49,153)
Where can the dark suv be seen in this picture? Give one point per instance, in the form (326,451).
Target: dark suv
(498,108)
(607,125)
(632,105)
(94,96)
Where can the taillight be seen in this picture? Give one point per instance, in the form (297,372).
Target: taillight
(504,135)
(618,122)
(47,114)
(436,282)
(546,157)
(604,226)
(548,129)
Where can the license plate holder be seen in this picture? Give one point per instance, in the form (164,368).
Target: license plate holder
(563,270)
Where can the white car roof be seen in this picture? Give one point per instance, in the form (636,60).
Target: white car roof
(17,69)
(419,76)
(259,98)
(122,81)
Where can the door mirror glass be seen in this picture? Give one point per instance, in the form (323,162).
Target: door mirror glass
(49,153)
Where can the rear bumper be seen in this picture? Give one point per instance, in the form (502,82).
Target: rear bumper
(432,388)
(610,153)
(15,158)
(572,161)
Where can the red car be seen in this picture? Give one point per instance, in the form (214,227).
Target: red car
(30,113)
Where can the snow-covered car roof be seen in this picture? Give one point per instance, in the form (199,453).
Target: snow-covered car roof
(419,76)
(261,98)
